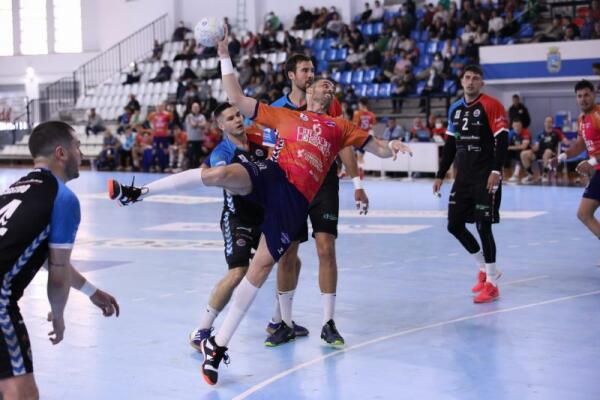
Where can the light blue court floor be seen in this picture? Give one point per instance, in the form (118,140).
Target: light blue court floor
(404,304)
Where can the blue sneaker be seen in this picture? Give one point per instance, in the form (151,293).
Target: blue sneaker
(330,334)
(282,335)
(199,335)
(298,330)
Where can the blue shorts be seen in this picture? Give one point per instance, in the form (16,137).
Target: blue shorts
(592,190)
(285,207)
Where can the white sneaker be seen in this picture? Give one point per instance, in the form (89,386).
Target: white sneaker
(527,180)
(545,179)
(513,179)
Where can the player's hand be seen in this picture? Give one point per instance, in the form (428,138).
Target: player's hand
(396,146)
(223,45)
(437,185)
(493,182)
(362,201)
(585,168)
(58,328)
(107,303)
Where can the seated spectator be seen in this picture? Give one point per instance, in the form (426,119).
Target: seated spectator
(188,52)
(567,22)
(481,36)
(303,20)
(272,22)
(188,73)
(495,24)
(157,50)
(435,84)
(468,34)
(373,58)
(126,160)
(107,159)
(234,46)
(164,74)
(552,33)
(143,151)
(249,44)
(419,131)
(133,104)
(587,30)
(448,51)
(180,32)
(355,40)
(123,120)
(511,26)
(518,140)
(95,124)
(393,131)
(570,34)
(438,129)
(596,33)
(404,87)
(334,26)
(136,119)
(544,149)
(377,12)
(134,75)
(366,14)
(177,151)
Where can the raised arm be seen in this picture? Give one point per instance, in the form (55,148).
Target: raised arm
(246,105)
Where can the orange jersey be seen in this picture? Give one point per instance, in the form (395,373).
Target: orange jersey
(364,119)
(181,138)
(160,123)
(588,127)
(307,143)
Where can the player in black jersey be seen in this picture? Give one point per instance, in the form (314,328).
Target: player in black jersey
(39,217)
(477,143)
(241,218)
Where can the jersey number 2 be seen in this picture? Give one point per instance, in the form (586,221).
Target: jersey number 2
(5,213)
(465,122)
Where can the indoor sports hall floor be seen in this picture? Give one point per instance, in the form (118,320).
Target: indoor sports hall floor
(404,304)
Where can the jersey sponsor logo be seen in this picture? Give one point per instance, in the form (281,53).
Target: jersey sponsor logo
(314,161)
(330,217)
(304,117)
(20,189)
(476,113)
(313,136)
(330,123)
(457,114)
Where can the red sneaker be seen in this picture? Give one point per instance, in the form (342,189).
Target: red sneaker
(481,277)
(488,294)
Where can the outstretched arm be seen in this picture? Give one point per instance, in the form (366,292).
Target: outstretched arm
(385,149)
(246,105)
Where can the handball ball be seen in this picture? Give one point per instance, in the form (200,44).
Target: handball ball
(208,31)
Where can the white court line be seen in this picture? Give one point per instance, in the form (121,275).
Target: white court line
(290,371)
(139,299)
(533,278)
(162,296)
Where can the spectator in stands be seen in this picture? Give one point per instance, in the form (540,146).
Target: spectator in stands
(567,23)
(211,140)
(159,122)
(355,40)
(291,44)
(164,74)
(448,51)
(518,140)
(136,119)
(587,29)
(434,84)
(134,75)
(481,36)
(366,14)
(518,111)
(144,151)
(594,10)
(511,26)
(107,159)
(373,58)
(460,60)
(404,87)
(133,104)
(393,131)
(544,149)
(334,26)
(125,152)
(321,18)
(596,33)
(123,120)
(196,127)
(272,22)
(468,34)
(570,34)
(437,127)
(303,20)
(157,50)
(495,24)
(552,33)
(95,124)
(249,44)
(175,121)
(377,12)
(180,32)
(394,42)
(188,73)
(234,46)
(177,151)
(188,52)
(419,131)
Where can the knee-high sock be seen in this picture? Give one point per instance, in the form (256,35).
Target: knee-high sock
(186,180)
(286,300)
(328,301)
(242,299)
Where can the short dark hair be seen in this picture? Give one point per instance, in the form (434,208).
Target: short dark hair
(292,62)
(517,119)
(584,84)
(220,108)
(364,101)
(516,96)
(47,135)
(476,69)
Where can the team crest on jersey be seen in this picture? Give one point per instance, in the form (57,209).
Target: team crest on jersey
(259,153)
(476,113)
(457,114)
(303,117)
(553,61)
(240,242)
(330,124)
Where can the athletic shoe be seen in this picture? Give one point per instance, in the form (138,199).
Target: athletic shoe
(481,279)
(513,179)
(488,294)
(197,336)
(282,335)
(213,354)
(528,179)
(545,178)
(330,334)
(298,330)
(123,193)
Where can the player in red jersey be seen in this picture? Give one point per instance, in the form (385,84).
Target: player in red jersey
(366,120)
(304,149)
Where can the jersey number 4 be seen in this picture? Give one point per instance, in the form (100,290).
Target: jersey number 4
(5,213)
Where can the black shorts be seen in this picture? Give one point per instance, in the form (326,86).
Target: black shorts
(471,202)
(15,349)
(240,239)
(592,190)
(323,211)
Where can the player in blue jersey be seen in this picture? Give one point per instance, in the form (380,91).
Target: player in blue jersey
(39,217)
(323,214)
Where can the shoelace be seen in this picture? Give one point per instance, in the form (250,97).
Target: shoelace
(125,199)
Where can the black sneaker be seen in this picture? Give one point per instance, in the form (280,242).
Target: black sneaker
(330,334)
(125,194)
(282,335)
(298,329)
(213,354)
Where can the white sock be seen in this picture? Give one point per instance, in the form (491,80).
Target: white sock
(186,180)
(242,299)
(328,301)
(206,322)
(479,260)
(490,270)
(517,171)
(277,310)
(285,304)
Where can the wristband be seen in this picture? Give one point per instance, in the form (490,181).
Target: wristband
(562,157)
(357,183)
(496,172)
(390,145)
(88,289)
(226,66)
(593,161)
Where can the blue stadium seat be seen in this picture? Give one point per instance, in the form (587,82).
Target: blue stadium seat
(415,35)
(342,54)
(358,76)
(424,60)
(378,28)
(424,36)
(322,66)
(385,91)
(372,90)
(367,29)
(449,87)
(417,70)
(460,31)
(337,76)
(508,40)
(318,44)
(421,47)
(526,31)
(346,78)
(308,43)
(420,87)
(328,43)
(420,13)
(432,47)
(440,45)
(370,74)
(496,41)
(361,90)
(331,54)
(321,55)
